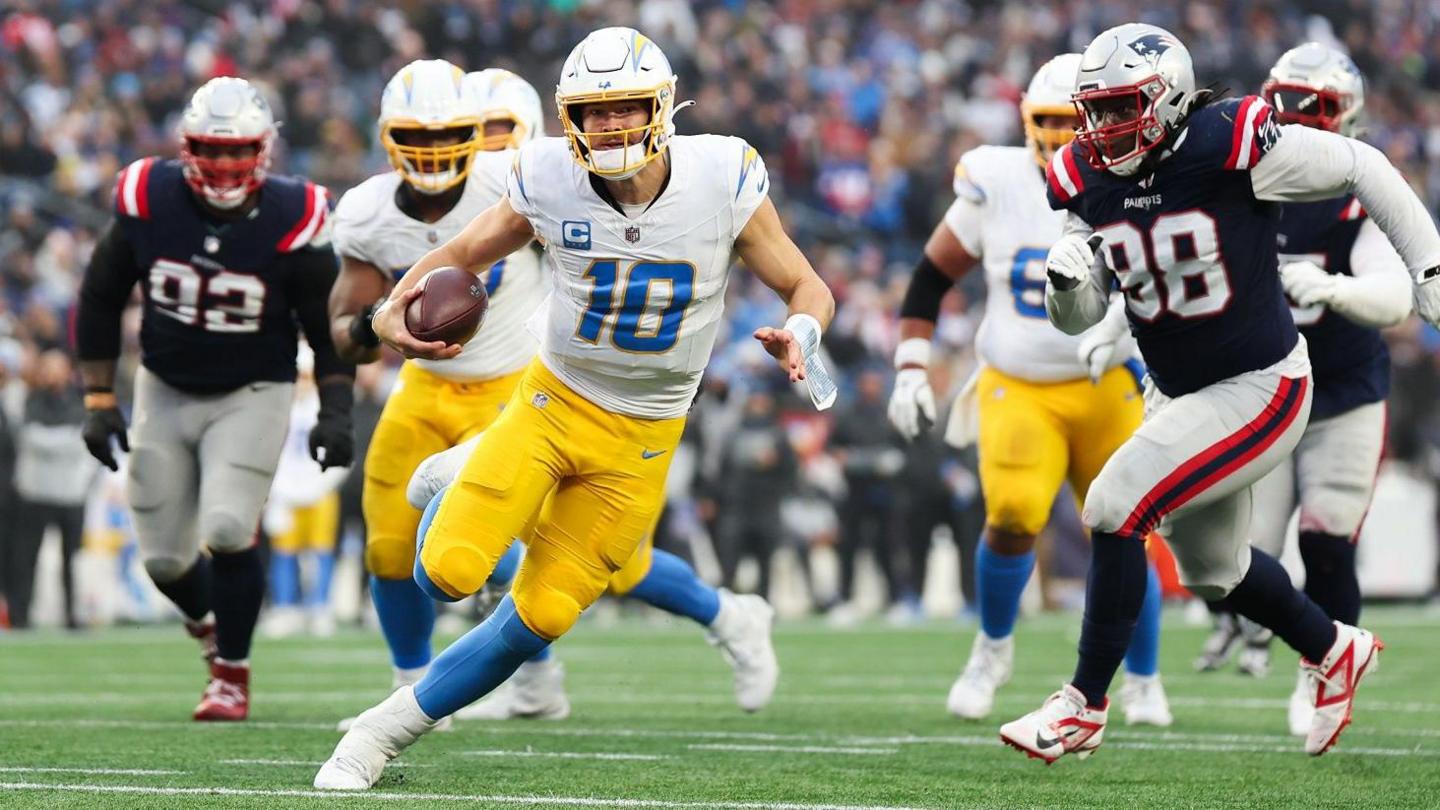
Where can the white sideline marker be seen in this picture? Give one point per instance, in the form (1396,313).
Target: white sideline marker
(567,755)
(91,771)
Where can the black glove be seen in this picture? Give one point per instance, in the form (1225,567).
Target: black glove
(361,331)
(100,425)
(332,441)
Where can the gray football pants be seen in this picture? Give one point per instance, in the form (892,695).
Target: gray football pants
(1191,466)
(201,467)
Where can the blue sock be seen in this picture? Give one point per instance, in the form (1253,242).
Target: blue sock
(673,586)
(284,579)
(1143,657)
(318,594)
(999,581)
(478,662)
(420,576)
(407,617)
(1114,596)
(509,563)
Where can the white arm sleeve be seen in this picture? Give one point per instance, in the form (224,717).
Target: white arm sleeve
(1311,164)
(1378,293)
(1074,311)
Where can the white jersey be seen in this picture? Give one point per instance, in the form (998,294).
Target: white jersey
(1001,217)
(635,301)
(369,226)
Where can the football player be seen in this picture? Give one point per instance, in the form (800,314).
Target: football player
(1051,406)
(639,228)
(1345,282)
(1170,192)
(229,259)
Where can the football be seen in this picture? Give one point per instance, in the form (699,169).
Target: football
(451,306)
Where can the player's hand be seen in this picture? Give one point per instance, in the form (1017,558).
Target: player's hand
(782,345)
(389,326)
(1096,350)
(1307,283)
(1068,263)
(332,441)
(1427,295)
(912,403)
(101,424)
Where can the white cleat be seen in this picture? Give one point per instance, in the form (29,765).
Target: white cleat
(536,691)
(377,736)
(1254,657)
(403,677)
(1332,683)
(991,663)
(1220,645)
(742,632)
(1301,712)
(1064,725)
(1144,701)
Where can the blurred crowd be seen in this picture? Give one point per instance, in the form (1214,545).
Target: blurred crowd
(859,109)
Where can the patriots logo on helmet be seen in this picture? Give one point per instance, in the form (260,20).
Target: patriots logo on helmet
(1151,46)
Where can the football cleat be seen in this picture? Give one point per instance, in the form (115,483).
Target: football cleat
(1301,711)
(401,678)
(741,631)
(536,691)
(1220,645)
(1064,725)
(1332,684)
(1143,699)
(203,631)
(377,736)
(227,696)
(1254,656)
(991,663)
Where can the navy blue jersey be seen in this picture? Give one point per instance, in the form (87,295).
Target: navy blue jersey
(219,295)
(1189,245)
(1350,363)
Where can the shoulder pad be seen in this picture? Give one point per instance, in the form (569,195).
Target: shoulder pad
(132,189)
(963,184)
(311,221)
(1064,180)
(1253,131)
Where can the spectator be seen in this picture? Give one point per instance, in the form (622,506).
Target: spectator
(10,356)
(758,472)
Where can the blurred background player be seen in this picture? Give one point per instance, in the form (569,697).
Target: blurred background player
(1052,407)
(599,413)
(302,520)
(230,260)
(1345,282)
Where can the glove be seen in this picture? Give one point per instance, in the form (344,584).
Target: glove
(100,425)
(1427,295)
(1307,284)
(1069,261)
(332,441)
(360,329)
(912,403)
(1098,343)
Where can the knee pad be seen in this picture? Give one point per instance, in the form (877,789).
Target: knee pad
(1210,579)
(1018,512)
(167,569)
(389,557)
(225,532)
(1102,512)
(453,569)
(548,612)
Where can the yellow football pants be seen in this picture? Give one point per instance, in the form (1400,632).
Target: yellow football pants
(1033,436)
(312,528)
(425,414)
(596,478)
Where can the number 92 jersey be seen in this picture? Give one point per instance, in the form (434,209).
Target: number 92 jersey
(369,226)
(1000,217)
(635,301)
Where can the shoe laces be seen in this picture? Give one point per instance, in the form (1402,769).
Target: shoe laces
(224,692)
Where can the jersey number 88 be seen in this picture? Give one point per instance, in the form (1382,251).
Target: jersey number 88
(1175,267)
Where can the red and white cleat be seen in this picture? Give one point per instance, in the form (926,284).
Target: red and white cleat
(227,697)
(1064,725)
(203,631)
(1332,682)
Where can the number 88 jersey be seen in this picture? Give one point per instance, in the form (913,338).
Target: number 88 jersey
(1000,217)
(636,297)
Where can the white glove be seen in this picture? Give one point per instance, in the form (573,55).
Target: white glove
(1068,263)
(1308,284)
(911,401)
(1427,295)
(1098,343)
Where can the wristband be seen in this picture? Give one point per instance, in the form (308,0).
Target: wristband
(821,386)
(361,330)
(913,352)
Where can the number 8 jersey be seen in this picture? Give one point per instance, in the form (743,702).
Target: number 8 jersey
(637,294)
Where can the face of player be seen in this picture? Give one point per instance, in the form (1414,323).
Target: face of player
(626,119)
(1120,115)
(226,165)
(437,139)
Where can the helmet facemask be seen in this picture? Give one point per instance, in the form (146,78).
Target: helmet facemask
(219,170)
(1302,104)
(617,154)
(1045,141)
(426,167)
(1120,125)
(499,141)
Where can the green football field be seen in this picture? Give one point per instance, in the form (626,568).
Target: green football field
(858,722)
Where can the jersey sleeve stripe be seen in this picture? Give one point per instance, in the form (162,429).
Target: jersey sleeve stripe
(130,198)
(1062,176)
(142,188)
(310,222)
(1244,151)
(1352,211)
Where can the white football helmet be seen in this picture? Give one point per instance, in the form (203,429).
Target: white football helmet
(1049,95)
(616,64)
(226,112)
(1134,88)
(504,96)
(430,96)
(1317,86)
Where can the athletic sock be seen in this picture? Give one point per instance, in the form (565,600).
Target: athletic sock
(673,586)
(407,618)
(1000,579)
(478,662)
(1330,579)
(284,579)
(1114,595)
(238,588)
(318,594)
(1267,596)
(1143,655)
(191,592)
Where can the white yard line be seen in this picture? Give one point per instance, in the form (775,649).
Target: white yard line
(605,755)
(91,771)
(313,764)
(790,749)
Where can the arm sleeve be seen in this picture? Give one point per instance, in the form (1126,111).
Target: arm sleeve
(1074,311)
(312,276)
(1378,293)
(104,292)
(1310,164)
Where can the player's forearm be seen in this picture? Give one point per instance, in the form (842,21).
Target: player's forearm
(1074,311)
(917,328)
(348,349)
(98,375)
(1377,301)
(810,296)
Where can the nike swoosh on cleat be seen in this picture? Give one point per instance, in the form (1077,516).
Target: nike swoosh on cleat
(1042,742)
(651,453)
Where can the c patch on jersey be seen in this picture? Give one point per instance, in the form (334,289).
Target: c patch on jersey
(576,234)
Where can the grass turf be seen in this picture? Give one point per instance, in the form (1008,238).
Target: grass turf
(859,720)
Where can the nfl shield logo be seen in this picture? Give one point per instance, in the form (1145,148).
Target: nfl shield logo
(632,234)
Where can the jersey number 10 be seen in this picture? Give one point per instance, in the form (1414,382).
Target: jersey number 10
(630,328)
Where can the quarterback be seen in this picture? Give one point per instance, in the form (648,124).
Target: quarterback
(639,227)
